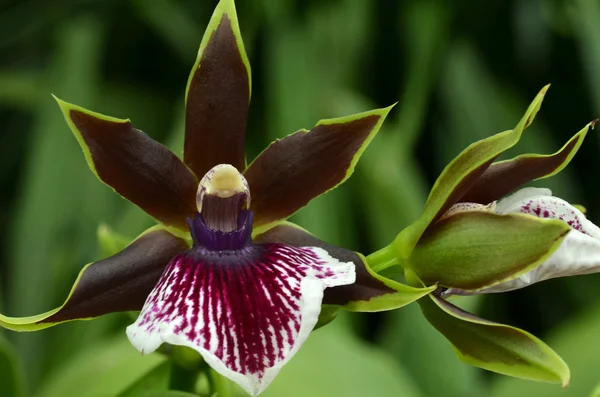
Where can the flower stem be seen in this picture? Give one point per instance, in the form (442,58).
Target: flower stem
(182,378)
(383,259)
(186,366)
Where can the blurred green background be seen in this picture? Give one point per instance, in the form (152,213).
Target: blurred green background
(460,70)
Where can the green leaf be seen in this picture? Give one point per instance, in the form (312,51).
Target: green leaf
(11,371)
(173,23)
(19,89)
(496,347)
(106,368)
(39,276)
(168,393)
(335,363)
(155,381)
(471,250)
(461,174)
(486,103)
(583,16)
(110,242)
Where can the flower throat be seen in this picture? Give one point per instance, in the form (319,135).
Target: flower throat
(223,221)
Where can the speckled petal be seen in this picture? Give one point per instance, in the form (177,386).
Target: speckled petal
(246,313)
(540,202)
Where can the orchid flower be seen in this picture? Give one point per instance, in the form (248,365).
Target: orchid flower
(474,237)
(249,290)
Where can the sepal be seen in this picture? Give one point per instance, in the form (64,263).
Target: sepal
(496,347)
(294,170)
(473,250)
(118,283)
(218,96)
(137,167)
(503,177)
(462,173)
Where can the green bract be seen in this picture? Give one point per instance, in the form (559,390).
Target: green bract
(475,249)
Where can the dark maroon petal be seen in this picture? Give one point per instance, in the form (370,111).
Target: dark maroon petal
(134,165)
(366,286)
(503,177)
(294,170)
(218,96)
(121,282)
(247,312)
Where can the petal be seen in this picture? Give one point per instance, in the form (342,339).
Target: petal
(246,315)
(477,249)
(218,96)
(134,165)
(119,283)
(514,200)
(461,174)
(503,177)
(496,347)
(371,292)
(529,201)
(294,170)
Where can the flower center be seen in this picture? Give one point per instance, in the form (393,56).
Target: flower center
(223,221)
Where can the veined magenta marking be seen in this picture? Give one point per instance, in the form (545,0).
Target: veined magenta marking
(244,308)
(549,208)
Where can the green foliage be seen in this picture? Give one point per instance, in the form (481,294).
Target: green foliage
(155,381)
(318,369)
(11,370)
(106,368)
(576,342)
